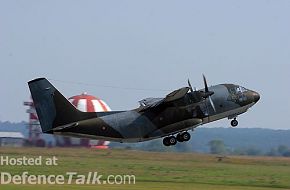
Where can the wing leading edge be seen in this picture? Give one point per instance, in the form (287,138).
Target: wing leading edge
(155,102)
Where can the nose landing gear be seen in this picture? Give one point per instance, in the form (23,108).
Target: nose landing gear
(180,137)
(234,122)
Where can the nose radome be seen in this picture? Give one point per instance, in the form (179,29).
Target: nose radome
(256,96)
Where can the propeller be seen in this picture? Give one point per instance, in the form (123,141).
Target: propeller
(189,85)
(205,83)
(212,104)
(207,93)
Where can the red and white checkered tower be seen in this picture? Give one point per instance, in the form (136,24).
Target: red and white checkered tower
(86,103)
(34,134)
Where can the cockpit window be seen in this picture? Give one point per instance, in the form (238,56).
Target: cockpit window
(237,94)
(238,90)
(243,89)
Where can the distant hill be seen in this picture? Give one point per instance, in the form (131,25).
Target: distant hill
(262,139)
(233,138)
(14,127)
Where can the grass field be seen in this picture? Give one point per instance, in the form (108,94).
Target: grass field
(155,170)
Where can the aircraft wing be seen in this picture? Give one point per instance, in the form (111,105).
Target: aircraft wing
(177,94)
(154,102)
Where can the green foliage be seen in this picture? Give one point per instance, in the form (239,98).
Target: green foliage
(251,151)
(217,147)
(281,150)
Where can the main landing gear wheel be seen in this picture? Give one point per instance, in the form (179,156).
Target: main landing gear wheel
(185,136)
(172,140)
(234,123)
(168,141)
(181,137)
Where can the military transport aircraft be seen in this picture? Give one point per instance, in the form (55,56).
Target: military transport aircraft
(170,117)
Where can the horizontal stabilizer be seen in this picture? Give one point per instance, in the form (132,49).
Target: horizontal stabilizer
(68,126)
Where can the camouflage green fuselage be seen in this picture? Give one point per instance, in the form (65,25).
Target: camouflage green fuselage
(170,118)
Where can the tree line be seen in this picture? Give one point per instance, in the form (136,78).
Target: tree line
(219,147)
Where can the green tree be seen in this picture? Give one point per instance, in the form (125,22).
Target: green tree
(252,151)
(239,151)
(282,149)
(217,147)
(272,152)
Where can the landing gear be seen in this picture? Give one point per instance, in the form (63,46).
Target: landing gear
(168,141)
(180,137)
(234,122)
(172,140)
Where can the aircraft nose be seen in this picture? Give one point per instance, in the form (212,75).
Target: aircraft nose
(256,96)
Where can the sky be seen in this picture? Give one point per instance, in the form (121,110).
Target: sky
(123,51)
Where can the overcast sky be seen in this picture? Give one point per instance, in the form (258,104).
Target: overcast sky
(147,45)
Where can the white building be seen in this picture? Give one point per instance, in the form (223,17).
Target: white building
(11,139)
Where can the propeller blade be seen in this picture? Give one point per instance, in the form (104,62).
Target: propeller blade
(212,104)
(190,87)
(207,93)
(205,84)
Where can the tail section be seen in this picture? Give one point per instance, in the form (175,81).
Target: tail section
(52,108)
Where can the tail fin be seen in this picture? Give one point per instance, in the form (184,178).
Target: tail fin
(52,108)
